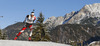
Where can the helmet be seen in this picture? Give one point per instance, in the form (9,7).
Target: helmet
(32,13)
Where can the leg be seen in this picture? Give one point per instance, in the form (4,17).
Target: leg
(20,32)
(30,32)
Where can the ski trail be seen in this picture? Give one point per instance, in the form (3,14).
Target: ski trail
(29,43)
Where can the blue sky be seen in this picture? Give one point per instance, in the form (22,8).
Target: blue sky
(16,10)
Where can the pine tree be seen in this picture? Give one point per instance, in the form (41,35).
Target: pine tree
(40,33)
(0,34)
(4,36)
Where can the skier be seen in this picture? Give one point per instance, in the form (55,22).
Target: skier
(29,21)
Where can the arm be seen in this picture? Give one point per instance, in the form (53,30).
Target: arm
(26,18)
(34,18)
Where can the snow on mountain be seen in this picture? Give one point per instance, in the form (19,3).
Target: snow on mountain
(92,10)
(28,43)
(77,17)
(54,21)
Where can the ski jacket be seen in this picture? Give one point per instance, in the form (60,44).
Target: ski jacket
(30,19)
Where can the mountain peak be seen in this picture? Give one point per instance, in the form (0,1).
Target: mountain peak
(92,7)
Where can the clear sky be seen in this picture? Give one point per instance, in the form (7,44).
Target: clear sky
(16,10)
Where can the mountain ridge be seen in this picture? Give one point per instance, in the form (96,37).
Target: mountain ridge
(76,17)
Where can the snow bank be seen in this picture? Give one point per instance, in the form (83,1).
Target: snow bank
(28,43)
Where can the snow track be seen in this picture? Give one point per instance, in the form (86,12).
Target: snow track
(28,43)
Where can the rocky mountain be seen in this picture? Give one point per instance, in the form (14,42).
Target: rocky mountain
(76,26)
(74,32)
(83,16)
(54,21)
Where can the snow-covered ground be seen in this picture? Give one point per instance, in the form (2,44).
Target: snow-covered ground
(95,43)
(28,43)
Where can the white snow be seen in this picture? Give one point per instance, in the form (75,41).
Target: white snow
(29,43)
